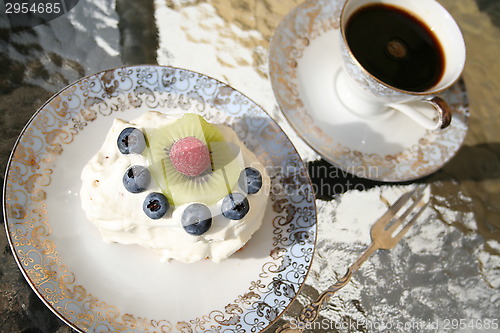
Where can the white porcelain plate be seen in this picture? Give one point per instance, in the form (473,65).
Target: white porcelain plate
(99,287)
(304,59)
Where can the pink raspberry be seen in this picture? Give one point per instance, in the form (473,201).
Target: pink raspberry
(190,156)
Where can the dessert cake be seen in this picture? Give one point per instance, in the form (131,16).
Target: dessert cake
(177,184)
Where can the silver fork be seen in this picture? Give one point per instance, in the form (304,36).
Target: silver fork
(384,236)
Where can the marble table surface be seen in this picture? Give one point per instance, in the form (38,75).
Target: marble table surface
(446,269)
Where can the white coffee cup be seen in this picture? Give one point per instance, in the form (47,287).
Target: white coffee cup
(367,96)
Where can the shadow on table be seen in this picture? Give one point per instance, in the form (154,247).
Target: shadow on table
(492,8)
(474,163)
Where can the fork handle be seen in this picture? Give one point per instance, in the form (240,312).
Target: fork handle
(311,311)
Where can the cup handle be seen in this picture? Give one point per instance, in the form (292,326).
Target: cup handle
(432,113)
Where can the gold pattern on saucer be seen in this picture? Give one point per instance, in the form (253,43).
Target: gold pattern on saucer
(293,36)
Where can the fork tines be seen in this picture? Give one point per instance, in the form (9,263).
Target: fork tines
(396,217)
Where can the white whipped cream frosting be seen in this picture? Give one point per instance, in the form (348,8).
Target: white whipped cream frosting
(119,216)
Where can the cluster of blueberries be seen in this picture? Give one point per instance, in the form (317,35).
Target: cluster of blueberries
(137,178)
(197,217)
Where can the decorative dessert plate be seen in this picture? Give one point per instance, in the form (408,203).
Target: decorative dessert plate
(98,287)
(304,59)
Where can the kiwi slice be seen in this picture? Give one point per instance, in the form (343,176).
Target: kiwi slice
(210,185)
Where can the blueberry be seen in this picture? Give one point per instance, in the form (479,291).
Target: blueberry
(196,219)
(131,141)
(155,205)
(250,180)
(235,206)
(136,179)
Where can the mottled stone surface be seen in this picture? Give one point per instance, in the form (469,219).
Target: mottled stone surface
(448,266)
(35,63)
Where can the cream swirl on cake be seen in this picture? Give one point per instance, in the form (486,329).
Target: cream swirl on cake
(176,184)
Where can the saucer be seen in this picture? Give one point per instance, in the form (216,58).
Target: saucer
(304,59)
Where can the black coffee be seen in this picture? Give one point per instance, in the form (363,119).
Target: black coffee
(395,47)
